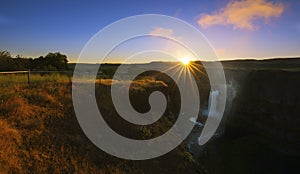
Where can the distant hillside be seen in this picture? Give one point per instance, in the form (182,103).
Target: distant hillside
(287,64)
(291,64)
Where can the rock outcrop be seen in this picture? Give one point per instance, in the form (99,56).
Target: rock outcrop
(268,107)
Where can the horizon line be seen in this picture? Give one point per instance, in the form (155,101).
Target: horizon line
(223,60)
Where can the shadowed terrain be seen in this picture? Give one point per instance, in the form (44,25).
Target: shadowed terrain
(39,132)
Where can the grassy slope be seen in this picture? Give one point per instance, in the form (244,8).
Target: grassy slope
(39,133)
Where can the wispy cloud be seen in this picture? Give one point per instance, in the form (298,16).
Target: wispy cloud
(162,31)
(178,12)
(243,14)
(166,32)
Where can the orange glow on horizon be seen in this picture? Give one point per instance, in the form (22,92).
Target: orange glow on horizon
(185,61)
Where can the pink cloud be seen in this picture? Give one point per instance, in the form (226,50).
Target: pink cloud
(162,31)
(243,14)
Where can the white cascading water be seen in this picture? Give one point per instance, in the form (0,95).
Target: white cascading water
(212,111)
(212,101)
(194,138)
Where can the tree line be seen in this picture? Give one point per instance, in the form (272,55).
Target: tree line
(51,62)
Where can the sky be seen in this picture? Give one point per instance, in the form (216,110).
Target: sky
(237,29)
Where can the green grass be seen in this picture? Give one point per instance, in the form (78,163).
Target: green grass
(7,80)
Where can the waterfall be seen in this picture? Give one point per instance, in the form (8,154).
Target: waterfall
(213,111)
(212,101)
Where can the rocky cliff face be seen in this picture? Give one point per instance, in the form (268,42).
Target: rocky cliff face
(261,127)
(267,106)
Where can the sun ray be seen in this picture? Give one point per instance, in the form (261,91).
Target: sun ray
(187,70)
(185,61)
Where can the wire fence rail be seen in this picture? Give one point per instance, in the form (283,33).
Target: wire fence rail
(14,72)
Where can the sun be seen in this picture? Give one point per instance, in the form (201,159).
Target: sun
(185,60)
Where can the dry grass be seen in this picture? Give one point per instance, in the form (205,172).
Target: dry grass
(139,85)
(10,140)
(39,133)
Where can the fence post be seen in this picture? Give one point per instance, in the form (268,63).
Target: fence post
(28,77)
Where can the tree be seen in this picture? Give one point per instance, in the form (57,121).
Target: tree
(51,62)
(6,62)
(57,60)
(5,54)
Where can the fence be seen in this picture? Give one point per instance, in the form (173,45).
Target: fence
(29,72)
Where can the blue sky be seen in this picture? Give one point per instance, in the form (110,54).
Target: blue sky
(34,28)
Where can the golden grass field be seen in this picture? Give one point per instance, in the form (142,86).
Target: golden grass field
(39,132)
